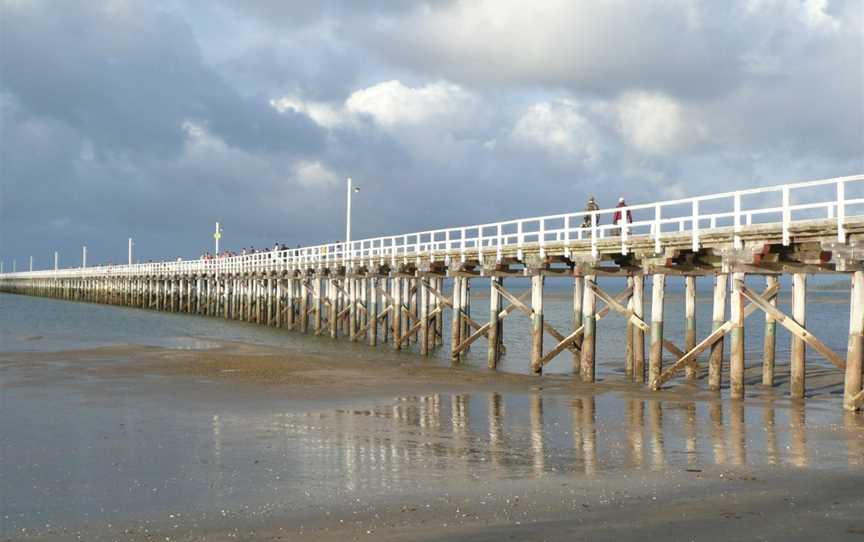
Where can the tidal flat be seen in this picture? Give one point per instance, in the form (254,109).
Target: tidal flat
(199,438)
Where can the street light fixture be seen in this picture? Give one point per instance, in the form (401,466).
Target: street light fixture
(351,191)
(217,235)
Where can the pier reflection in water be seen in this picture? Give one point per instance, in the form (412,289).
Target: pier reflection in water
(518,436)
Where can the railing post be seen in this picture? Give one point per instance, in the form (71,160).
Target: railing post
(542,239)
(695,233)
(657,214)
(841,210)
(737,238)
(519,239)
(787,216)
(500,242)
(594,251)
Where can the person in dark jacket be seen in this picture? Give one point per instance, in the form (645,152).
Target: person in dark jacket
(589,207)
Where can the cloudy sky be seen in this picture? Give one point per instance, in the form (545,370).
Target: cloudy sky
(154,119)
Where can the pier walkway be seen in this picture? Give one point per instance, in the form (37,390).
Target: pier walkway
(391,289)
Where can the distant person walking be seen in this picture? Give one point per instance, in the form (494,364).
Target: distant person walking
(619,218)
(589,208)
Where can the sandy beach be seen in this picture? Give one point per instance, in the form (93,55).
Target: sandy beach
(414,451)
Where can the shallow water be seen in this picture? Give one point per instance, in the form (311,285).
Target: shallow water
(72,455)
(39,324)
(81,450)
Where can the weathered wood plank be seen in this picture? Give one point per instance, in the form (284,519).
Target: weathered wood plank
(794,327)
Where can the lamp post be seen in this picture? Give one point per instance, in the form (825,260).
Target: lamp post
(351,190)
(84,256)
(56,260)
(130,250)
(31,263)
(217,235)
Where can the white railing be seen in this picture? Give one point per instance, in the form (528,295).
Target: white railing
(784,205)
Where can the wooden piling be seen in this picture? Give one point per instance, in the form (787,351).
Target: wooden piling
(770,340)
(424,316)
(715,361)
(736,338)
(304,305)
(578,293)
(855,351)
(797,374)
(692,370)
(493,352)
(638,305)
(628,336)
(655,360)
(465,290)
(456,320)
(589,321)
(316,304)
(439,319)
(536,323)
(373,310)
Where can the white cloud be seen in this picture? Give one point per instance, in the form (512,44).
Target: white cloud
(323,114)
(314,174)
(558,127)
(392,103)
(654,123)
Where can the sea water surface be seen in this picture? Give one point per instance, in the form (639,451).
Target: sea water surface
(83,451)
(40,324)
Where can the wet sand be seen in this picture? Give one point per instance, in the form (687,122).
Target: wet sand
(241,442)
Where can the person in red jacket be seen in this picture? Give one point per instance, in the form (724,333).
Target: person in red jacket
(619,216)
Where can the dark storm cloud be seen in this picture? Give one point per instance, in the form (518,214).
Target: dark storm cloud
(154,119)
(128,76)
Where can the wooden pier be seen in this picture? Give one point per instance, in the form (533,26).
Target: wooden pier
(391,290)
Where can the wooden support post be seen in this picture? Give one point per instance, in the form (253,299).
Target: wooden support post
(372,316)
(628,340)
(316,305)
(396,313)
(655,360)
(304,305)
(715,361)
(692,370)
(386,302)
(269,293)
(537,323)
(405,285)
(493,352)
(465,290)
(456,320)
(280,301)
(770,340)
(578,294)
(424,316)
(587,370)
(290,302)
(332,308)
(736,338)
(797,375)
(352,308)
(855,351)
(638,307)
(439,319)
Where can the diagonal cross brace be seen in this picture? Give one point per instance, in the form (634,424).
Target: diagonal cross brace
(417,325)
(569,339)
(858,400)
(631,316)
(484,329)
(794,327)
(473,323)
(717,334)
(522,307)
